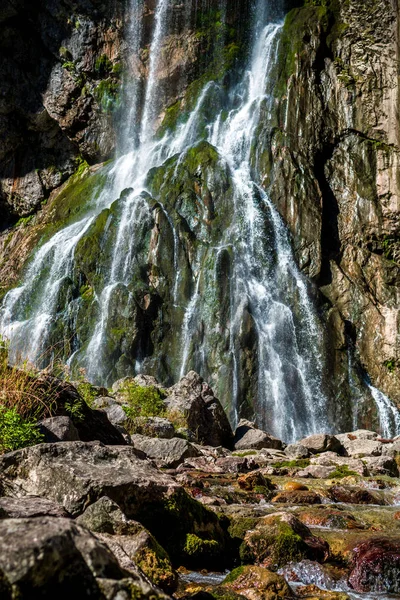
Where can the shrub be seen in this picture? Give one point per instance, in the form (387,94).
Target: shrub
(143,401)
(15,431)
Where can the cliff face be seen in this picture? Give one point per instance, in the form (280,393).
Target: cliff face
(329,163)
(332,168)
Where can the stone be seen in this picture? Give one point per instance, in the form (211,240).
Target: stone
(297,451)
(360,448)
(297,497)
(351,495)
(360,434)
(322,442)
(76,474)
(256,583)
(193,400)
(59,558)
(17,508)
(381,465)
(104,517)
(329,459)
(58,429)
(114,411)
(252,481)
(279,539)
(316,472)
(158,427)
(376,567)
(166,452)
(249,437)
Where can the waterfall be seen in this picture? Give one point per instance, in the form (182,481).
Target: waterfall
(267,298)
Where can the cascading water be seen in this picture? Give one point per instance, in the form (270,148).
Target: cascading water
(264,311)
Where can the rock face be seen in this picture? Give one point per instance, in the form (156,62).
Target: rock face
(331,168)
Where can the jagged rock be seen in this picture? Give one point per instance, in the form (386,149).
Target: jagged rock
(76,474)
(249,437)
(322,442)
(54,557)
(381,465)
(279,539)
(58,429)
(376,567)
(297,451)
(166,452)
(114,411)
(193,400)
(157,427)
(17,508)
(104,517)
(392,449)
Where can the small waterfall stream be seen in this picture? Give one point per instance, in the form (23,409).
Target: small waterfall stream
(266,287)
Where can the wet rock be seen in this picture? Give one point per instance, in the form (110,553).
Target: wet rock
(297,497)
(256,583)
(59,558)
(279,539)
(376,567)
(297,451)
(313,592)
(17,508)
(351,495)
(322,443)
(192,400)
(58,429)
(166,452)
(381,465)
(332,518)
(252,481)
(248,437)
(294,486)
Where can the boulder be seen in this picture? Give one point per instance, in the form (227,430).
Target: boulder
(255,583)
(297,451)
(360,448)
(249,437)
(316,472)
(76,474)
(322,442)
(192,400)
(376,567)
(17,508)
(381,465)
(114,411)
(142,380)
(279,539)
(106,519)
(352,465)
(157,427)
(360,434)
(353,495)
(167,453)
(50,557)
(58,429)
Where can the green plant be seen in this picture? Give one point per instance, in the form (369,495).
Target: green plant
(103,65)
(142,401)
(15,431)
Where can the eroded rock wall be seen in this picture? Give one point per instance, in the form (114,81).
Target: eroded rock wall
(331,164)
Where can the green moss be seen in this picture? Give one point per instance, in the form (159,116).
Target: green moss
(247,453)
(103,65)
(342,471)
(233,575)
(390,365)
(198,549)
(277,545)
(156,565)
(23,221)
(107,95)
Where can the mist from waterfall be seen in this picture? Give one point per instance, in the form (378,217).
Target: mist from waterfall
(266,286)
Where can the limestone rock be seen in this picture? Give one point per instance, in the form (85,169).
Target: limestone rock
(59,558)
(32,506)
(297,451)
(166,452)
(360,448)
(194,400)
(316,471)
(249,437)
(381,465)
(322,443)
(58,429)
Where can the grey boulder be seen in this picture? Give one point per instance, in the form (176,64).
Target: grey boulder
(58,429)
(249,437)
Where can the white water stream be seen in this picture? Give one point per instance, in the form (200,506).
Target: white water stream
(265,281)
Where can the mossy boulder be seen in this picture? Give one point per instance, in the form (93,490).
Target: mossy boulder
(257,583)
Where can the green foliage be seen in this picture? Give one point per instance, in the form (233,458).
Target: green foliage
(143,401)
(390,365)
(24,221)
(246,453)
(17,432)
(103,65)
(342,471)
(107,95)
(75,410)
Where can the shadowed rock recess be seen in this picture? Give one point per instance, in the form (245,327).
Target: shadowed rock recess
(199,299)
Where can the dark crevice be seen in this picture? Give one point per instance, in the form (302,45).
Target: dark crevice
(330,238)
